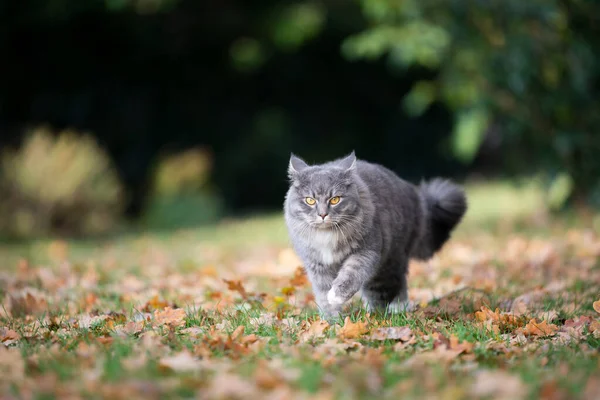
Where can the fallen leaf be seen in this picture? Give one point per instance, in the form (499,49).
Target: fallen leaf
(169,316)
(180,362)
(237,333)
(315,330)
(352,330)
(300,278)
(8,335)
(596,306)
(534,328)
(236,286)
(402,333)
(156,304)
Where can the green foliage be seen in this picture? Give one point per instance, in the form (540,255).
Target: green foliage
(528,67)
(64,183)
(180,195)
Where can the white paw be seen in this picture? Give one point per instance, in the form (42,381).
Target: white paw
(333,298)
(397,307)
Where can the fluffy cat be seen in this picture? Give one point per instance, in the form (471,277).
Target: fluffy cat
(355,225)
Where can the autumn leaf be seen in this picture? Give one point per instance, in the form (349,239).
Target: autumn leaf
(352,330)
(299,279)
(169,316)
(596,306)
(180,362)
(156,304)
(402,333)
(8,335)
(236,286)
(315,330)
(534,328)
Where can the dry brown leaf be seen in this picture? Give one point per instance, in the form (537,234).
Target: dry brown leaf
(156,304)
(299,279)
(236,286)
(169,316)
(534,328)
(8,335)
(596,306)
(352,330)
(464,346)
(403,333)
(237,333)
(315,330)
(28,303)
(180,362)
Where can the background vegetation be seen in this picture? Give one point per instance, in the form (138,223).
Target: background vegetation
(499,88)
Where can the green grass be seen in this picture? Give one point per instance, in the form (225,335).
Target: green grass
(90,326)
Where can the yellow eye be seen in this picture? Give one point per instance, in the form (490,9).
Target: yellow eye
(310,201)
(334,200)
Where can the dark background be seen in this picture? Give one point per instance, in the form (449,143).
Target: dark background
(252,81)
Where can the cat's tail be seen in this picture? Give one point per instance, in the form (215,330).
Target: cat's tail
(444,204)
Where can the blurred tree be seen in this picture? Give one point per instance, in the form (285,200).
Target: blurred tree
(530,69)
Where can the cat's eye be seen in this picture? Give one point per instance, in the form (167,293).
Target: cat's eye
(334,200)
(310,201)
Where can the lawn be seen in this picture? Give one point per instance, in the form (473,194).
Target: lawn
(509,309)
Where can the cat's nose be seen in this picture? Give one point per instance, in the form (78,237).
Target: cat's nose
(323,215)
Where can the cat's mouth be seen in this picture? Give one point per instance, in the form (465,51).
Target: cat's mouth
(327,224)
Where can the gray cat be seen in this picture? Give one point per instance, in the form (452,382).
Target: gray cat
(355,225)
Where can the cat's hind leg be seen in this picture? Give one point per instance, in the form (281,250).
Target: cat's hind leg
(387,290)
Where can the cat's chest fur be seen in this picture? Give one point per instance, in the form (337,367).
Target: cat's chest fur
(325,248)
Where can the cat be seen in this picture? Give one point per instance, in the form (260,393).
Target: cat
(355,225)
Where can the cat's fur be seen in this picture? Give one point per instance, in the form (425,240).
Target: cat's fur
(365,241)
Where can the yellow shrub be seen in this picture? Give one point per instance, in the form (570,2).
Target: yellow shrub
(61,183)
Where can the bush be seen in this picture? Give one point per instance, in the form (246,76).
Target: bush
(58,184)
(181,193)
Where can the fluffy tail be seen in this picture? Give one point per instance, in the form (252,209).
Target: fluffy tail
(445,204)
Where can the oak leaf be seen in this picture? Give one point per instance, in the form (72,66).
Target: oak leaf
(534,328)
(352,330)
(236,286)
(315,330)
(169,316)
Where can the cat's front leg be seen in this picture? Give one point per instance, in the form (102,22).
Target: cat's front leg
(356,270)
(321,284)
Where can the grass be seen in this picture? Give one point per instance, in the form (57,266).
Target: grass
(149,314)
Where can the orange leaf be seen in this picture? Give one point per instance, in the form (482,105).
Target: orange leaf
(169,316)
(156,303)
(237,333)
(315,330)
(8,334)
(299,279)
(352,330)
(236,286)
(596,306)
(534,328)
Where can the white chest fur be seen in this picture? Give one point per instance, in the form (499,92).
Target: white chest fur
(324,244)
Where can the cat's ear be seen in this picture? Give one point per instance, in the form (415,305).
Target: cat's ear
(295,166)
(348,163)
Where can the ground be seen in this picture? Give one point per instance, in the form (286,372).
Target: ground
(509,309)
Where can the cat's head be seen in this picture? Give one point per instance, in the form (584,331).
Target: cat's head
(324,195)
